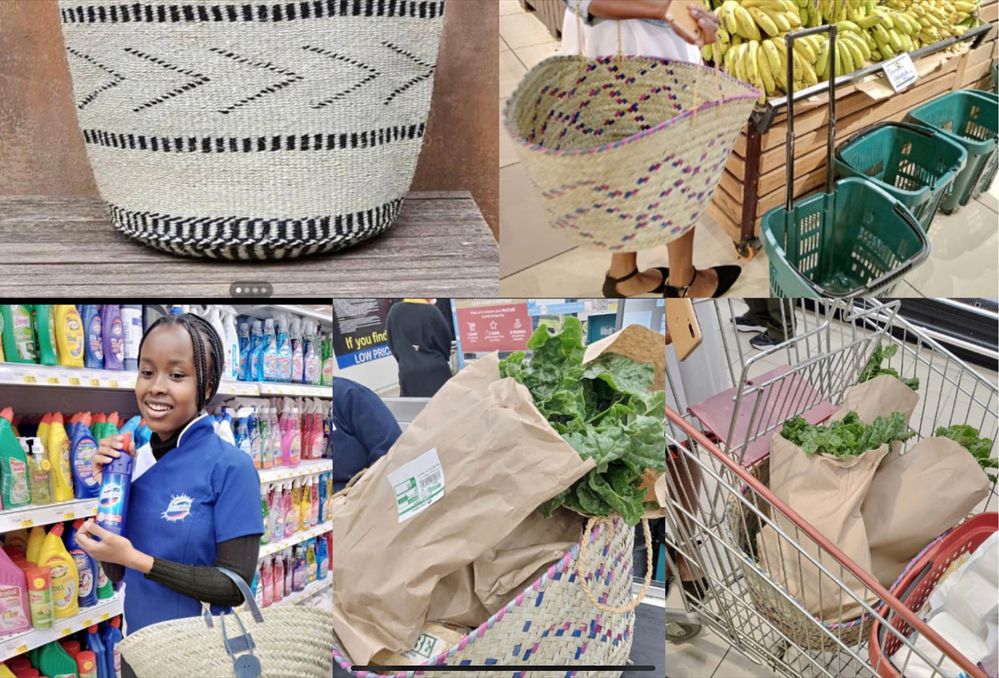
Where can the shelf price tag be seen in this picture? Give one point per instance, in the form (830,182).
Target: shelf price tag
(27,522)
(94,383)
(901,72)
(30,379)
(21,649)
(66,631)
(69,515)
(53,381)
(73,381)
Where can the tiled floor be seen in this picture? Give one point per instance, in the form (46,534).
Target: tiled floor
(962,262)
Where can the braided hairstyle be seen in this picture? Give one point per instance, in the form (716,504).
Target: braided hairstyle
(209,357)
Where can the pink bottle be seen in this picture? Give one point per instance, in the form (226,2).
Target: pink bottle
(276,515)
(290,513)
(289,573)
(267,582)
(277,578)
(15,612)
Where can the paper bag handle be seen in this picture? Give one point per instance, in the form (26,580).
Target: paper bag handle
(631,605)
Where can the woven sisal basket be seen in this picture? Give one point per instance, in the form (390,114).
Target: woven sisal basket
(553,620)
(626,151)
(252,130)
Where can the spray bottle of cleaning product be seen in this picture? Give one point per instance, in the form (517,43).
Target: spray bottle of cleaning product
(113,336)
(256,443)
(15,608)
(267,582)
(93,356)
(270,352)
(276,524)
(322,558)
(231,339)
(264,433)
(301,576)
(82,451)
(290,517)
(289,572)
(265,510)
(245,441)
(257,347)
(293,520)
(116,482)
(327,378)
(310,561)
(86,567)
(18,334)
(62,568)
(314,506)
(244,352)
(275,432)
(45,328)
(277,575)
(112,646)
(304,506)
(38,471)
(131,322)
(321,513)
(284,357)
(297,358)
(13,465)
(69,335)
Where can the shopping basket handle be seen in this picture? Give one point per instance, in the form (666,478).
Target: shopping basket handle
(903,212)
(790,38)
(918,129)
(584,542)
(883,630)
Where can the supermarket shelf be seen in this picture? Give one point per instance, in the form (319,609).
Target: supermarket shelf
(22,642)
(315,588)
(297,538)
(29,516)
(305,468)
(307,390)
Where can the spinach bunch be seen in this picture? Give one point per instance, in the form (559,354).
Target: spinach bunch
(873,367)
(605,410)
(848,437)
(969,438)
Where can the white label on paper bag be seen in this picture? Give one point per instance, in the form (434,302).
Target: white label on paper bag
(901,71)
(417,484)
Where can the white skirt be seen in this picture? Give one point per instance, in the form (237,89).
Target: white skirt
(637,38)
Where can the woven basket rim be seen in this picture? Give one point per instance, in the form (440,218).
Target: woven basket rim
(560,566)
(751,94)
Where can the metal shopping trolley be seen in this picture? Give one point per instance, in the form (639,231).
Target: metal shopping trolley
(718,468)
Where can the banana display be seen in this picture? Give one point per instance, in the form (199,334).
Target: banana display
(751,46)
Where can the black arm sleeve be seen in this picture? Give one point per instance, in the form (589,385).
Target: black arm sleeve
(206,583)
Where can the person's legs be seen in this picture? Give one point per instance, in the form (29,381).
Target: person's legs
(779,319)
(626,263)
(681,268)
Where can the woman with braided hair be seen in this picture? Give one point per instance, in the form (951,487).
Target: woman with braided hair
(195,499)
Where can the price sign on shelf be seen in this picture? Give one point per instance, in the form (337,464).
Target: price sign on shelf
(53,381)
(901,72)
(95,383)
(30,379)
(27,522)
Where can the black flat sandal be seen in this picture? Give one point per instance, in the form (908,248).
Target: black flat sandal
(610,284)
(727,275)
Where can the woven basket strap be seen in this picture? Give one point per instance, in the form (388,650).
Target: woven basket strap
(251,603)
(583,548)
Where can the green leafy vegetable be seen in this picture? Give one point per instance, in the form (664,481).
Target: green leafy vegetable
(873,367)
(969,438)
(847,437)
(605,410)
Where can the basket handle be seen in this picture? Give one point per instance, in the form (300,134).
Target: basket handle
(637,600)
(248,598)
(903,596)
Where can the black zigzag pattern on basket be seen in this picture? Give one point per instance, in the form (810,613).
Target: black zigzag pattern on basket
(290,78)
(279,142)
(144,12)
(418,79)
(198,79)
(88,98)
(373,74)
(253,239)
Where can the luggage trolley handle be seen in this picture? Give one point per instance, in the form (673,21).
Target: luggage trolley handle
(789,39)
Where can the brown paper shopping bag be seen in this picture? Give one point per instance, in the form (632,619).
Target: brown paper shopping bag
(917,496)
(470,468)
(878,397)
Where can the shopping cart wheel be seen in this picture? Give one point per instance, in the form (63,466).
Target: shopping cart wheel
(748,249)
(681,626)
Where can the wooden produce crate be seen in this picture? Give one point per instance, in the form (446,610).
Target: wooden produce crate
(550,12)
(755,180)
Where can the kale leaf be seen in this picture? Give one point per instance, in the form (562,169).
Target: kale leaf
(873,367)
(847,437)
(969,438)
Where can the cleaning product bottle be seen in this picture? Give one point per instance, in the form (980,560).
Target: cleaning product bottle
(4,671)
(270,352)
(42,433)
(39,581)
(277,576)
(15,608)
(112,647)
(283,372)
(69,335)
(93,356)
(230,340)
(304,506)
(39,484)
(113,337)
(35,539)
(290,516)
(275,516)
(54,661)
(321,488)
(72,647)
(314,505)
(297,358)
(257,589)
(116,482)
(257,351)
(112,426)
(86,567)
(323,559)
(264,432)
(301,570)
(86,663)
(18,334)
(16,539)
(82,451)
(256,443)
(105,587)
(267,583)
(265,510)
(45,329)
(310,561)
(327,378)
(95,644)
(275,432)
(98,422)
(131,323)
(245,441)
(58,453)
(244,351)
(62,567)
(15,490)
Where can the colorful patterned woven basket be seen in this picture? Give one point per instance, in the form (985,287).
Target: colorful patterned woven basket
(252,130)
(553,620)
(626,151)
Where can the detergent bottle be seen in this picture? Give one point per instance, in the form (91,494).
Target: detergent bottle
(93,355)
(297,358)
(270,354)
(265,510)
(98,422)
(111,429)
(62,567)
(86,567)
(304,506)
(112,647)
(257,351)
(327,378)
(35,539)
(86,664)
(310,561)
(54,661)
(314,505)
(45,329)
(82,451)
(95,644)
(244,440)
(321,514)
(277,578)
(17,540)
(13,465)
(275,432)
(69,335)
(39,581)
(267,583)
(290,512)
(131,324)
(116,482)
(18,334)
(323,560)
(131,426)
(289,572)
(38,471)
(105,587)
(253,432)
(231,339)
(292,520)
(301,576)
(284,350)
(15,608)
(264,433)
(276,524)
(72,647)
(58,454)
(244,352)
(113,337)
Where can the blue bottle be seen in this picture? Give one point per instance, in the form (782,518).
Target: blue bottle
(244,351)
(322,497)
(112,638)
(93,337)
(116,482)
(322,560)
(243,439)
(257,352)
(131,426)
(270,358)
(83,446)
(86,567)
(96,645)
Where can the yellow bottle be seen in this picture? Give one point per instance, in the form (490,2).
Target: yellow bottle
(65,578)
(35,539)
(43,430)
(5,672)
(304,508)
(69,335)
(58,453)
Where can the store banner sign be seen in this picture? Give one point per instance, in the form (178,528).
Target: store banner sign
(359,334)
(494,325)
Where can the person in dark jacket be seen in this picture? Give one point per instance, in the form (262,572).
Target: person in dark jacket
(420,340)
(363,430)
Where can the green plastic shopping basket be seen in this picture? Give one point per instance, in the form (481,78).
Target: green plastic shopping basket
(915,165)
(852,240)
(969,118)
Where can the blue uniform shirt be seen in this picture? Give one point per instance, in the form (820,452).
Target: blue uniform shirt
(203,492)
(364,430)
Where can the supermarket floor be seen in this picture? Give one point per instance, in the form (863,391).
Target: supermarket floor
(533,256)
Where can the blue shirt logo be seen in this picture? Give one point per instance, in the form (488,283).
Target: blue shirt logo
(178,508)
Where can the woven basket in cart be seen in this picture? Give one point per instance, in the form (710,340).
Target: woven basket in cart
(553,620)
(626,151)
